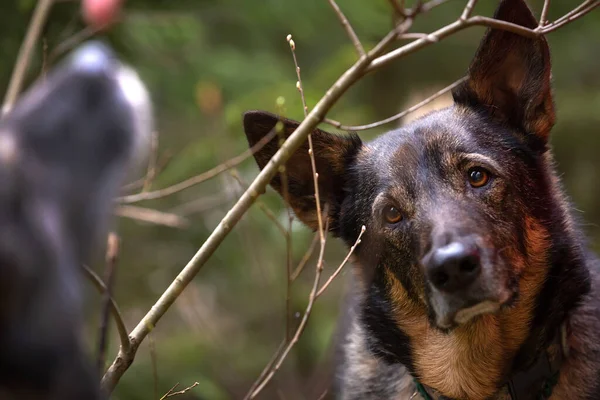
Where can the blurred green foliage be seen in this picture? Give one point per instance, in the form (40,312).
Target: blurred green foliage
(207,61)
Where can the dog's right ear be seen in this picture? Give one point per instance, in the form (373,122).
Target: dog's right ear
(333,154)
(509,77)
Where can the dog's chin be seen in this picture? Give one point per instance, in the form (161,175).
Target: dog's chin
(448,317)
(450,320)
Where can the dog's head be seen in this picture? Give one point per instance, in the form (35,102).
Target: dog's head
(64,150)
(454,203)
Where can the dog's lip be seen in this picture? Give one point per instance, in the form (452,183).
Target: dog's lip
(465,315)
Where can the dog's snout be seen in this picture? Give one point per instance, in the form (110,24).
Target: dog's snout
(453,267)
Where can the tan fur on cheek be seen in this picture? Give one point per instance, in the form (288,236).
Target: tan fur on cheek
(531,270)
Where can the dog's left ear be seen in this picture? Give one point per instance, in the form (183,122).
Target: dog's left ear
(510,76)
(333,155)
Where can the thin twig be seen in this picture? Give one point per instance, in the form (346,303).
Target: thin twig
(322,396)
(299,82)
(314,295)
(195,180)
(316,189)
(171,393)
(430,5)
(468,9)
(306,257)
(112,254)
(348,28)
(398,116)
(25,52)
(544,14)
(285,190)
(71,42)
(459,25)
(139,183)
(152,216)
(343,263)
(269,365)
(398,7)
(114,309)
(311,301)
(574,11)
(263,207)
(589,6)
(152,160)
(411,36)
(203,204)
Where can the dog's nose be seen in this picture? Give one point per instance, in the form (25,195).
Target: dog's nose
(453,267)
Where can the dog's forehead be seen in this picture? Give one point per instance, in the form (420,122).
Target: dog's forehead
(430,139)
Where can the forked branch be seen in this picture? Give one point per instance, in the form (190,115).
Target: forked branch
(15,84)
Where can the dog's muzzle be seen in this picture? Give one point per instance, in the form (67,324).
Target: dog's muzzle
(459,282)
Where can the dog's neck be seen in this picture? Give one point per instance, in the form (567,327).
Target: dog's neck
(525,383)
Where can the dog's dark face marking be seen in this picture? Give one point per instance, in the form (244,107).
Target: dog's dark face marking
(457,207)
(64,150)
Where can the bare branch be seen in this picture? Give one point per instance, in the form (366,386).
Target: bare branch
(585,8)
(171,392)
(314,295)
(434,38)
(577,9)
(152,160)
(203,204)
(348,28)
(544,15)
(112,253)
(139,183)
(399,115)
(430,5)
(71,42)
(114,309)
(263,207)
(398,7)
(268,367)
(299,82)
(468,9)
(311,301)
(305,257)
(288,233)
(460,24)
(152,216)
(343,263)
(24,57)
(310,146)
(195,180)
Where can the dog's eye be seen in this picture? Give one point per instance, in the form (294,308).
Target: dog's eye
(478,177)
(392,215)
